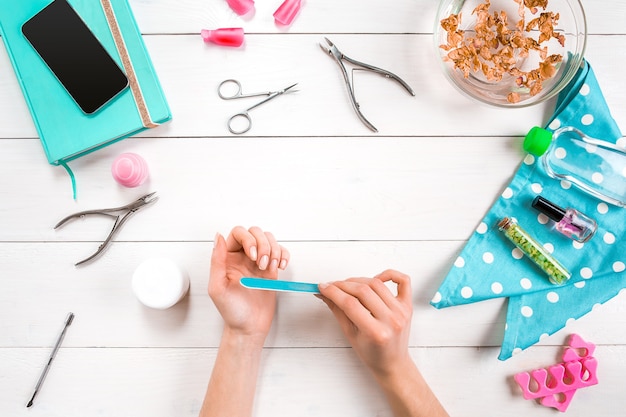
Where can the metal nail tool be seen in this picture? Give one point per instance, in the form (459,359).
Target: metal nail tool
(340,57)
(68,321)
(244,114)
(120,214)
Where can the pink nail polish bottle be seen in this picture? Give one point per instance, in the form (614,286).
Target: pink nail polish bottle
(223,36)
(130,170)
(569,222)
(241,7)
(287,11)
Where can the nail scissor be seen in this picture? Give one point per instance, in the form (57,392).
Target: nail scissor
(244,114)
(120,214)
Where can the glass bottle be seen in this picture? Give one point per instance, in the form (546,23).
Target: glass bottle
(595,166)
(570,222)
(557,274)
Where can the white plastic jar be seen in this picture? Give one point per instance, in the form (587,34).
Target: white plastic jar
(159,283)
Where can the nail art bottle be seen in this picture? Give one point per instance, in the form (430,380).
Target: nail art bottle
(569,221)
(557,274)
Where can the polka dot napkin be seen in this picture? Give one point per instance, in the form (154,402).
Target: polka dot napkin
(490,266)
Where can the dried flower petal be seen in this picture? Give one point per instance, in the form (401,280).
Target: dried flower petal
(513,97)
(496,47)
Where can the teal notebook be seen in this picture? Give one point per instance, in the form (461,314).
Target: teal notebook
(66,132)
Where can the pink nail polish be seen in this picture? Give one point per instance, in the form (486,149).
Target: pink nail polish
(224,36)
(570,222)
(287,11)
(130,170)
(241,7)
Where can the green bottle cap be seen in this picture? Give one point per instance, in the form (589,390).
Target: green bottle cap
(537,141)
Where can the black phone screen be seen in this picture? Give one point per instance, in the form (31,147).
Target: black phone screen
(75,56)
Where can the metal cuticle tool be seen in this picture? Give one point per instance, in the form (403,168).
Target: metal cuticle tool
(339,57)
(120,214)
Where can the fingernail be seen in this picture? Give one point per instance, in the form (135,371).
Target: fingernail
(217,235)
(322,285)
(274,265)
(263,263)
(253,253)
(283,264)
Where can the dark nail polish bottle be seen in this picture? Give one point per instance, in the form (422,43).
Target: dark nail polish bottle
(569,221)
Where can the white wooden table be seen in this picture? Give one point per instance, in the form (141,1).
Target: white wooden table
(345,201)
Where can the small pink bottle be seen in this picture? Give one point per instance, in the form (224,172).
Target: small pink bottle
(130,170)
(241,7)
(287,11)
(569,222)
(223,36)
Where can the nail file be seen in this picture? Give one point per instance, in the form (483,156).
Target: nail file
(277,285)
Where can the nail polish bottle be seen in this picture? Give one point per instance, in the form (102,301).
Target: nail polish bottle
(569,221)
(241,7)
(223,36)
(287,11)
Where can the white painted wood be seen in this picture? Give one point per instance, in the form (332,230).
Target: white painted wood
(108,314)
(345,201)
(303,382)
(329,16)
(321,106)
(311,189)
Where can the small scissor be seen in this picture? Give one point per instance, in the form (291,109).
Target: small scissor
(244,114)
(120,214)
(339,57)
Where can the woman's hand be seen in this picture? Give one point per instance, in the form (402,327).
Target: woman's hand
(376,322)
(251,253)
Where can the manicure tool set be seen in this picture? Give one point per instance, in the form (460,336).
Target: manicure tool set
(241,122)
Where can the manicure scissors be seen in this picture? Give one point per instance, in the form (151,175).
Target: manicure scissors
(120,214)
(339,57)
(244,114)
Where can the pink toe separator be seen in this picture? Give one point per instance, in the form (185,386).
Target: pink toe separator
(560,401)
(557,384)
(558,378)
(576,344)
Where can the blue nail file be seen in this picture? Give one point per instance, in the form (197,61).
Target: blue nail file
(276,285)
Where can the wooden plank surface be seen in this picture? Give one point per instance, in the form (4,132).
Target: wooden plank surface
(345,201)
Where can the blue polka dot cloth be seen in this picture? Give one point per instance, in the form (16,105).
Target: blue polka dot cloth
(490,266)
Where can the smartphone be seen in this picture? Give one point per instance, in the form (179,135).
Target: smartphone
(75,56)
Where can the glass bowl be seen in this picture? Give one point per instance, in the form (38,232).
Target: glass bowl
(488,57)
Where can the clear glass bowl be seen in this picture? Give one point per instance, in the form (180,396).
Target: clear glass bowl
(571,24)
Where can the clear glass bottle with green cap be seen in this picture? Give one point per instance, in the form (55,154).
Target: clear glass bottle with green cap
(595,166)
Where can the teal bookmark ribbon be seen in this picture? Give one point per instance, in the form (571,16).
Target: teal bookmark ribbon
(72,178)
